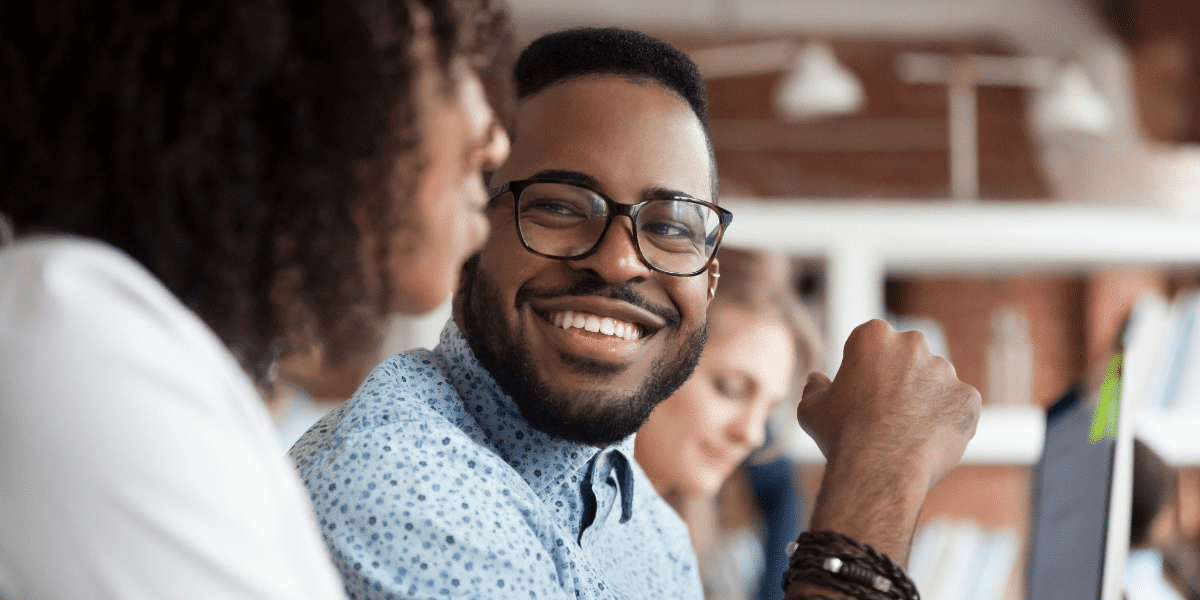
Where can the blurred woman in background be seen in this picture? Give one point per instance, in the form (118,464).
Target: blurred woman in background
(199,188)
(761,346)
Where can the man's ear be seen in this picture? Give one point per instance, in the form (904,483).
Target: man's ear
(714,275)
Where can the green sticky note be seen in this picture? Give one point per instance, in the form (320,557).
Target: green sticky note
(1104,422)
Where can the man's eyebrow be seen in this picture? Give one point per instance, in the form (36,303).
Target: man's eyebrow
(668,194)
(570,177)
(584,179)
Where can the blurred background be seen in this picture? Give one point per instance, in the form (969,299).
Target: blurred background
(1008,176)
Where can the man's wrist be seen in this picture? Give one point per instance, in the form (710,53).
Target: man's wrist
(827,563)
(874,503)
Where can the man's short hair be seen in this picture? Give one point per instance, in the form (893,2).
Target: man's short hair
(573,53)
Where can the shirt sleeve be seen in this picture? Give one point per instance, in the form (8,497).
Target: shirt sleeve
(411,508)
(136,459)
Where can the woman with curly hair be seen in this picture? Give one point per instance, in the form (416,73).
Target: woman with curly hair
(198,188)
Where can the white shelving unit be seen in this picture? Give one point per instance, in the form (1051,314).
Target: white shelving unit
(1173,436)
(862,241)
(1007,435)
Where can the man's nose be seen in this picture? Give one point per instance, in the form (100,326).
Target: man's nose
(616,259)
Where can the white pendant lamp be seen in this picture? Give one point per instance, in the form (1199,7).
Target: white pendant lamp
(1073,105)
(817,86)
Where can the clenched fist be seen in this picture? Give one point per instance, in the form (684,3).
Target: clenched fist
(892,422)
(893,403)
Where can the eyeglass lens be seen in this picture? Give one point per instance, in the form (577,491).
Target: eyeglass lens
(565,221)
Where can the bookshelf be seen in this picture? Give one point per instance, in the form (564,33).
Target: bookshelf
(861,242)
(1174,437)
(1006,435)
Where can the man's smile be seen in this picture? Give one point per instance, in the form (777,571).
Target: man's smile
(599,328)
(596,324)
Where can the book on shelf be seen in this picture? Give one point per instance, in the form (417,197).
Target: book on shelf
(1186,364)
(1170,356)
(1169,402)
(959,560)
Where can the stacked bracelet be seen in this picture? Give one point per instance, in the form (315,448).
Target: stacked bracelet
(838,563)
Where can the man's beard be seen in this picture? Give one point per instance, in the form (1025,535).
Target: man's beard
(591,417)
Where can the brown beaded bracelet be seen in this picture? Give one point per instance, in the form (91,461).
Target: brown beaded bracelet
(836,562)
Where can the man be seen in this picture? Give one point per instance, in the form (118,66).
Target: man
(500,464)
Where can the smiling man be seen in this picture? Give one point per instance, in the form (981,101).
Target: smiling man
(500,464)
(586,318)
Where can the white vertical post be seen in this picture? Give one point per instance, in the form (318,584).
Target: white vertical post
(854,295)
(1146,329)
(964,130)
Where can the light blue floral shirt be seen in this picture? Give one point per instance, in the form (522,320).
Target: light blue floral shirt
(428,483)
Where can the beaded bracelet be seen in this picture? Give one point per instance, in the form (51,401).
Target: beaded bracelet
(836,562)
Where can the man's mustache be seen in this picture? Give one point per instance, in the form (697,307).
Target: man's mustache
(594,286)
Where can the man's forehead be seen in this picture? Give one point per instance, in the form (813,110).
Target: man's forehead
(611,125)
(574,95)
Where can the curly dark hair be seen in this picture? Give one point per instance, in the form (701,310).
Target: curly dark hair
(582,51)
(227,145)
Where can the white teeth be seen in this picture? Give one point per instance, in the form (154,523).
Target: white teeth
(592,324)
(596,324)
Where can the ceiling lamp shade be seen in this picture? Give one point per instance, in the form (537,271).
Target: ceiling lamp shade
(817,86)
(1073,105)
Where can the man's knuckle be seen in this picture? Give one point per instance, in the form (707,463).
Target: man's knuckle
(872,329)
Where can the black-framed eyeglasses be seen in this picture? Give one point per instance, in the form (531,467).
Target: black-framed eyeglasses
(566,221)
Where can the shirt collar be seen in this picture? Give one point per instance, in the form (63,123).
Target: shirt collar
(542,460)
